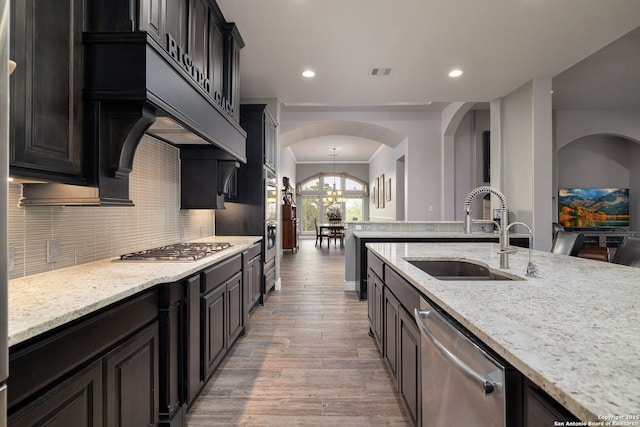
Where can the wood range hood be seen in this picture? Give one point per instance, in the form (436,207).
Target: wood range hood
(146,82)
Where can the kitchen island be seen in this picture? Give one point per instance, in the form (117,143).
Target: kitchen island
(131,342)
(359,235)
(573,331)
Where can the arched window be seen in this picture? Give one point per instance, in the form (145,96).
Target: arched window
(313,195)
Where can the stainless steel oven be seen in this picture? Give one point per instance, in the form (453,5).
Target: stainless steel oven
(271,215)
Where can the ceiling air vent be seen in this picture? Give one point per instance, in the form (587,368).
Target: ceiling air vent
(380,72)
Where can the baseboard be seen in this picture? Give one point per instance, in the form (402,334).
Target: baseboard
(349,285)
(278,284)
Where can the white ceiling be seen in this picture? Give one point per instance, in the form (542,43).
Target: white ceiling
(499,44)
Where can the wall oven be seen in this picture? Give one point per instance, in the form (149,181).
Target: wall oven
(271,215)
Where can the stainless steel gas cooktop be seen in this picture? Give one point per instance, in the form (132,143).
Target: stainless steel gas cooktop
(176,252)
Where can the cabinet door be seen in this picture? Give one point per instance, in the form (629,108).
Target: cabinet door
(409,372)
(371,302)
(46,90)
(390,339)
(257,280)
(131,376)
(270,140)
(213,315)
(375,304)
(541,410)
(76,402)
(234,303)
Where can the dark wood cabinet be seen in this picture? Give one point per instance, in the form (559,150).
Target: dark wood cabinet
(213,314)
(375,276)
(75,402)
(270,140)
(290,224)
(141,361)
(391,333)
(131,380)
(103,380)
(540,410)
(235,323)
(409,371)
(46,118)
(390,303)
(253,278)
(222,311)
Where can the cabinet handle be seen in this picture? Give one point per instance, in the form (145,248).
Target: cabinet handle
(486,384)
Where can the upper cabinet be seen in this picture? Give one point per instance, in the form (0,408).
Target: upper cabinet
(46,90)
(261,129)
(94,76)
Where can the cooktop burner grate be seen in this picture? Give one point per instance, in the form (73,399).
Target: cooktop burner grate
(177,252)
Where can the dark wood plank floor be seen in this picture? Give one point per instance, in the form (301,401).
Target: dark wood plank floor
(307,359)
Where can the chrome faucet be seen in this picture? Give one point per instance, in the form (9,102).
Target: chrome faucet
(532,269)
(502,230)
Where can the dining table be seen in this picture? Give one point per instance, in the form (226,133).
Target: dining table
(333,228)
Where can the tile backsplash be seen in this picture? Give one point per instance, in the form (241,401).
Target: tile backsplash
(86,234)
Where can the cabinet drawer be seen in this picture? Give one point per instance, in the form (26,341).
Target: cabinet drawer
(406,294)
(220,272)
(375,264)
(254,251)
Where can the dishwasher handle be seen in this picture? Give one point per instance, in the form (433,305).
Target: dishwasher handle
(487,385)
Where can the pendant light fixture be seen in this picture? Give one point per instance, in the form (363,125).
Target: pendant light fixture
(334,196)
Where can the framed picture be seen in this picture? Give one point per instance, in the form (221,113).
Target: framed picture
(372,195)
(381,196)
(387,190)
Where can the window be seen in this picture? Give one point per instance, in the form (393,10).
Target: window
(314,189)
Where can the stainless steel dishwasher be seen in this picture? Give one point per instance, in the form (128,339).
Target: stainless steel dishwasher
(462,385)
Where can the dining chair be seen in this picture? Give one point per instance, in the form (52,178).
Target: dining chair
(628,252)
(567,243)
(336,234)
(320,235)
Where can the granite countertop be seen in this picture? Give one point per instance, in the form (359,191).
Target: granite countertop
(431,234)
(41,302)
(574,330)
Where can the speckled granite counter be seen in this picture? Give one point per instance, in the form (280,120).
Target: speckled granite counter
(44,301)
(574,330)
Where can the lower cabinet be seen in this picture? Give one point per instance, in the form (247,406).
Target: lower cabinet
(222,308)
(390,303)
(75,402)
(131,377)
(391,329)
(100,370)
(213,307)
(140,362)
(540,410)
(409,372)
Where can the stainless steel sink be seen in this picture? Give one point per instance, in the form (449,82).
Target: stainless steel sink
(459,270)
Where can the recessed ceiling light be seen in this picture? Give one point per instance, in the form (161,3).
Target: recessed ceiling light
(308,73)
(455,73)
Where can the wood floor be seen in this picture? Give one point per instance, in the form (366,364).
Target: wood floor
(307,359)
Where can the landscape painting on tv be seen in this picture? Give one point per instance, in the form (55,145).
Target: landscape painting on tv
(593,207)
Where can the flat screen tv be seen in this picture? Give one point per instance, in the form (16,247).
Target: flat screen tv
(593,208)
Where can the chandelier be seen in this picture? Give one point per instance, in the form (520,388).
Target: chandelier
(333,196)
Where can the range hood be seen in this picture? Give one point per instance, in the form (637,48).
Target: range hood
(140,82)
